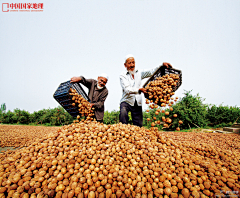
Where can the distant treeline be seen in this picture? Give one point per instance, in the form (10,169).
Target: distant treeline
(49,117)
(190,110)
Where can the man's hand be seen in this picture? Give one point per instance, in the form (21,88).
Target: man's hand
(168,65)
(75,79)
(143,90)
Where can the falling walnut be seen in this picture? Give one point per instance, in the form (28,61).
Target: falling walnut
(160,90)
(83,105)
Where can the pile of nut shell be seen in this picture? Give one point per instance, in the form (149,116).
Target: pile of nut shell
(22,135)
(83,105)
(89,159)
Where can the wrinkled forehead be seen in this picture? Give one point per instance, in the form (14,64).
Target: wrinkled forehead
(130,59)
(102,79)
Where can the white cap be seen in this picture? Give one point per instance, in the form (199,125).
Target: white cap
(103,75)
(128,56)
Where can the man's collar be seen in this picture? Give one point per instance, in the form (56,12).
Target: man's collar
(129,73)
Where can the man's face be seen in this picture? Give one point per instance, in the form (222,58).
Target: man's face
(102,81)
(130,64)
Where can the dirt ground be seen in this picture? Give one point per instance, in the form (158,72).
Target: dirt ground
(17,136)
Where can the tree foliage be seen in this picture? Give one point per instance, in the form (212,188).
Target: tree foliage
(190,109)
(194,113)
(111,117)
(221,116)
(50,117)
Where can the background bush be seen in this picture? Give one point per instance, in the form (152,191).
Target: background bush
(194,113)
(111,117)
(49,117)
(190,109)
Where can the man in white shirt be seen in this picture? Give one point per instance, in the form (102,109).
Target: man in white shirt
(131,85)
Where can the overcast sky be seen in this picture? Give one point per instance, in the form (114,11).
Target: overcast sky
(40,50)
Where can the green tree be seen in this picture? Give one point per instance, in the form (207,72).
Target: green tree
(111,117)
(3,107)
(24,117)
(221,116)
(7,117)
(191,110)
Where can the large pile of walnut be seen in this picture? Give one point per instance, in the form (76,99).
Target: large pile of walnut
(89,159)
